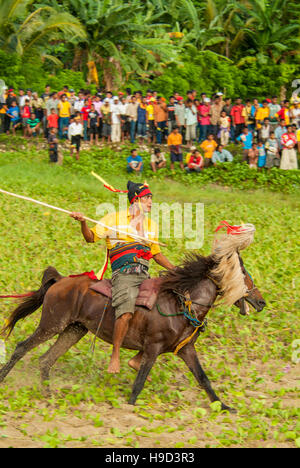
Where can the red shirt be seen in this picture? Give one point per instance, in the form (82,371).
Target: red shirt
(288,139)
(203,119)
(283,114)
(26,112)
(236,114)
(52,120)
(195,160)
(85,112)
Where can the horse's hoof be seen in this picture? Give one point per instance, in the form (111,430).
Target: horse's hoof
(229,409)
(46,391)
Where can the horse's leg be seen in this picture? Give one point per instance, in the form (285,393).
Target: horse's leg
(149,358)
(68,338)
(37,338)
(189,356)
(135,363)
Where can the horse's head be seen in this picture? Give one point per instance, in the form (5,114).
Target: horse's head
(252,296)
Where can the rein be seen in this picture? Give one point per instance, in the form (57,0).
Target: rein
(187,310)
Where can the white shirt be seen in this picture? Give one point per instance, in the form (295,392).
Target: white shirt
(22,100)
(75,129)
(116,111)
(123,108)
(190,115)
(78,105)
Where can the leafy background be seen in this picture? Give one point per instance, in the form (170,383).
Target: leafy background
(248,47)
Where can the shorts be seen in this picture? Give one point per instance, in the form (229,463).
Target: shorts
(151,128)
(15,122)
(125,290)
(53,154)
(176,157)
(75,141)
(106,130)
(93,130)
(190,133)
(273,160)
(125,126)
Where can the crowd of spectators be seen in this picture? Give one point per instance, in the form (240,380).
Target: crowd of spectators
(269,131)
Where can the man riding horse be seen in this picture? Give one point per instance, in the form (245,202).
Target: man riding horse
(129,259)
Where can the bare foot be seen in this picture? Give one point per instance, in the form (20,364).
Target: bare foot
(135,364)
(114,366)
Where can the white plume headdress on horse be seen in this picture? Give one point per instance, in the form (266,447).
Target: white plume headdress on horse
(226,249)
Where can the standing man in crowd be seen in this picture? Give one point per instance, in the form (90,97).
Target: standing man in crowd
(64,112)
(131,112)
(274,109)
(115,120)
(180,115)
(171,114)
(215,114)
(246,138)
(75,134)
(238,121)
(175,144)
(190,122)
(160,118)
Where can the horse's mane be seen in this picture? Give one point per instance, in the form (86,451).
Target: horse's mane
(187,276)
(224,265)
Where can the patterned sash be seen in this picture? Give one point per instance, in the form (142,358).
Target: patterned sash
(125,254)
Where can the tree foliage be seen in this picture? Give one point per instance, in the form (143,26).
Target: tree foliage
(176,44)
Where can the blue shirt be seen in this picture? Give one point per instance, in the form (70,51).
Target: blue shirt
(136,161)
(247,141)
(15,112)
(253,109)
(141,115)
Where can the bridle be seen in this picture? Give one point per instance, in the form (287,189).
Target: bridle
(187,302)
(253,288)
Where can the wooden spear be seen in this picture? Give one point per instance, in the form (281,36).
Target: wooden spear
(135,236)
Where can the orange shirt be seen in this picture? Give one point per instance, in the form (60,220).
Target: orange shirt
(209,147)
(160,113)
(174,139)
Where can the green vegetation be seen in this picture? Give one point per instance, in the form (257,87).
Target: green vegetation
(243,48)
(248,359)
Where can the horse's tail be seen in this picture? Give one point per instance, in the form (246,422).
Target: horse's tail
(33,302)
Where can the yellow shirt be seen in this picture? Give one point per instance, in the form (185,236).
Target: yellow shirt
(64,108)
(150,112)
(298,135)
(208,147)
(122,220)
(261,114)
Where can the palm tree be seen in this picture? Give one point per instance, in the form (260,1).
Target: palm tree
(122,38)
(24,32)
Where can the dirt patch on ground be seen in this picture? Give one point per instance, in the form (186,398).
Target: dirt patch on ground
(50,423)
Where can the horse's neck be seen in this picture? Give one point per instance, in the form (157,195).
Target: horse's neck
(205,294)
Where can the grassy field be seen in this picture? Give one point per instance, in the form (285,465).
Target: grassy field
(248,359)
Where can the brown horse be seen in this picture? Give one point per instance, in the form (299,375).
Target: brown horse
(71,309)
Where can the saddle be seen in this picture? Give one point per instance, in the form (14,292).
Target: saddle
(147,296)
